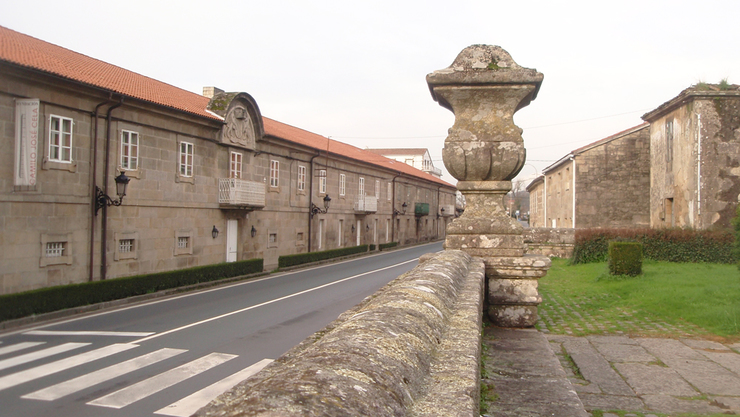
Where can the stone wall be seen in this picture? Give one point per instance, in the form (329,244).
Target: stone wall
(550,242)
(411,349)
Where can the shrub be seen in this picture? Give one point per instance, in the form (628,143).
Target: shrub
(387,245)
(302,258)
(372,247)
(625,258)
(672,245)
(49,299)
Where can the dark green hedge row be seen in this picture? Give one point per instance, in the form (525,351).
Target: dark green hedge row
(45,300)
(303,258)
(387,245)
(625,258)
(672,245)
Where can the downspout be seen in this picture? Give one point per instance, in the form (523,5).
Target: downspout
(393,208)
(698,173)
(106,169)
(310,200)
(94,186)
(573,216)
(544,202)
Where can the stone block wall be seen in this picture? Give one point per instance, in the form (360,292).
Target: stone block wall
(411,349)
(550,242)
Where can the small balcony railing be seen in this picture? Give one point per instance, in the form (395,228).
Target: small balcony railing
(236,192)
(366,204)
(434,171)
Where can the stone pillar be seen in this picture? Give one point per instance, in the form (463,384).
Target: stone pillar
(484,151)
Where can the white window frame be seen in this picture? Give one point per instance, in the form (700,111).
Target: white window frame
(301,177)
(377,189)
(322,181)
(361,187)
(122,250)
(57,145)
(129,150)
(183,236)
(274,173)
(390,191)
(235,165)
(185,159)
(56,249)
(342,184)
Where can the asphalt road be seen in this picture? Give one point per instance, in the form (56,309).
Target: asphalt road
(170,356)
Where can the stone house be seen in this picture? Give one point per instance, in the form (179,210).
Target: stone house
(695,158)
(418,158)
(603,184)
(210,179)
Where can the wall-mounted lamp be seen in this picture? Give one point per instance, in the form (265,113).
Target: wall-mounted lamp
(353,228)
(367,227)
(403,211)
(253,232)
(101,199)
(214,232)
(316,210)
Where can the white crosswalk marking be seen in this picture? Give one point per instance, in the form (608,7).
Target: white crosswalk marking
(85,381)
(143,389)
(19,346)
(61,365)
(86,333)
(192,403)
(40,354)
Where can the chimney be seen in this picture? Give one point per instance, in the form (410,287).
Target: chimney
(211,91)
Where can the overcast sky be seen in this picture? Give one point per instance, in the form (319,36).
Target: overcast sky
(355,71)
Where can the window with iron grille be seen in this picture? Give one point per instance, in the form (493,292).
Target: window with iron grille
(129,150)
(126,245)
(55,249)
(60,139)
(183,242)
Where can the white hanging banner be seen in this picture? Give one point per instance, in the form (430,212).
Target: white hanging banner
(26,141)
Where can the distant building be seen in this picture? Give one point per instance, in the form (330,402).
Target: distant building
(603,184)
(211,179)
(695,158)
(416,157)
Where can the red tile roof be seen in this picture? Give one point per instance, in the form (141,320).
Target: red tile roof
(29,52)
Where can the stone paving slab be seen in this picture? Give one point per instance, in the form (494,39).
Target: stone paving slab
(708,377)
(670,404)
(595,368)
(655,380)
(624,353)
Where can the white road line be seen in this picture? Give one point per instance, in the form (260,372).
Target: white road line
(61,365)
(187,326)
(86,381)
(40,354)
(19,346)
(192,403)
(147,387)
(85,333)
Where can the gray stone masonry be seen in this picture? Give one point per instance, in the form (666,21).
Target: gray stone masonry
(411,349)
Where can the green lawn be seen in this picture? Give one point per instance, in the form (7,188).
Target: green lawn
(706,295)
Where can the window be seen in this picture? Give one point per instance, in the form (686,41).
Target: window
(235,167)
(322,181)
(669,143)
(60,139)
(361,191)
(126,245)
(390,191)
(377,189)
(342,184)
(129,150)
(55,249)
(409,161)
(274,173)
(186,159)
(183,242)
(301,178)
(272,239)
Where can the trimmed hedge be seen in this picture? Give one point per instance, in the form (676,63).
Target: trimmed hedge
(303,258)
(49,299)
(625,258)
(387,245)
(672,245)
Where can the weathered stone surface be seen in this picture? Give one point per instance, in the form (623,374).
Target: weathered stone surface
(411,348)
(614,352)
(611,402)
(654,380)
(513,291)
(595,368)
(548,241)
(669,404)
(516,316)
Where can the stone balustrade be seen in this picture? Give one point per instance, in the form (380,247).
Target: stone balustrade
(411,349)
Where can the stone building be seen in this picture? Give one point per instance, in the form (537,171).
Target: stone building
(603,184)
(210,178)
(695,158)
(418,158)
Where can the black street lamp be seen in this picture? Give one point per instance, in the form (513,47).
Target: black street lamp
(403,206)
(214,232)
(316,210)
(101,199)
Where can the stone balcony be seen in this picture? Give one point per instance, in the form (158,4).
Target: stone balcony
(234,193)
(366,204)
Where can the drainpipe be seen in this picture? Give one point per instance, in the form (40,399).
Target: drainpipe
(310,199)
(393,208)
(106,169)
(698,173)
(94,186)
(573,216)
(544,202)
